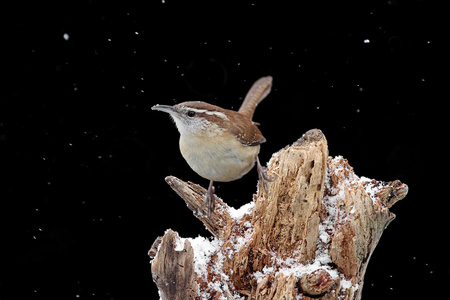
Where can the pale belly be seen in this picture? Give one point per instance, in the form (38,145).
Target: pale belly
(219,161)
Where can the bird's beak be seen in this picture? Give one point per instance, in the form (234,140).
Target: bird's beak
(165,108)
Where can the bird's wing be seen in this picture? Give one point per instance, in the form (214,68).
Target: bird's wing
(246,131)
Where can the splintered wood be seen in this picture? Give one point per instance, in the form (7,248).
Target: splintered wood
(309,237)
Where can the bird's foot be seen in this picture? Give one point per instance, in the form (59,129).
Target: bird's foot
(210,201)
(262,174)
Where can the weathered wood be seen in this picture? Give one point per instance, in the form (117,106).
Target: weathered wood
(194,196)
(310,235)
(173,271)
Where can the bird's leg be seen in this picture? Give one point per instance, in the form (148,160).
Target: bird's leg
(263,177)
(210,201)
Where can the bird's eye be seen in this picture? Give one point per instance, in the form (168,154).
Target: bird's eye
(191,114)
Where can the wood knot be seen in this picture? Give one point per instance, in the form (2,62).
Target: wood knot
(317,282)
(311,136)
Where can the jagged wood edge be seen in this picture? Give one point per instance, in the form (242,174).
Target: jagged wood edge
(171,266)
(194,196)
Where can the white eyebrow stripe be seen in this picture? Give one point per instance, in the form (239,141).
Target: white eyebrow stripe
(208,112)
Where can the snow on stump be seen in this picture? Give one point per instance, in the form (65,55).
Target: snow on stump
(309,237)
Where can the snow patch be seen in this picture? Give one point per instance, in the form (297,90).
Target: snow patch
(203,250)
(346,284)
(371,187)
(237,214)
(179,243)
(265,271)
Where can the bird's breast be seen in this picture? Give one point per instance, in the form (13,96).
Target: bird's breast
(219,158)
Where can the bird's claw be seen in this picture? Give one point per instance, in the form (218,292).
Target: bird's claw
(210,201)
(262,174)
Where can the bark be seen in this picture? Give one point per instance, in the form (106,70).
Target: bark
(309,237)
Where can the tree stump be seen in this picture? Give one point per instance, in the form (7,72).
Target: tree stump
(309,237)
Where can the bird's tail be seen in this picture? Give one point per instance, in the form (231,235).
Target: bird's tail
(259,90)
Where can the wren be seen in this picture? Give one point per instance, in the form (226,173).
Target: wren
(220,144)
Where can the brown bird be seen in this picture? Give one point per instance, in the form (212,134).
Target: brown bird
(220,144)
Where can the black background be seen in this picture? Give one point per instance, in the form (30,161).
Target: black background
(83,158)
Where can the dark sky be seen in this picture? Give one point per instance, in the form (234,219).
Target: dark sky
(84,158)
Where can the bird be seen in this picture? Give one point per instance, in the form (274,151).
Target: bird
(219,144)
